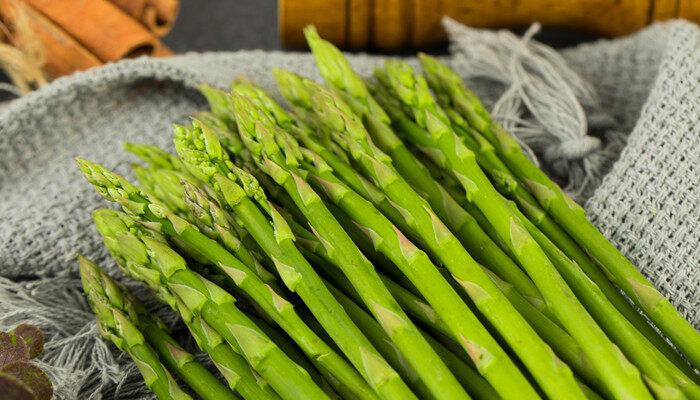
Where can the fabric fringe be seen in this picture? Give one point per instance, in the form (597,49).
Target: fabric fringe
(544,103)
(79,363)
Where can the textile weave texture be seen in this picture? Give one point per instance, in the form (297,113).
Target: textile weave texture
(642,193)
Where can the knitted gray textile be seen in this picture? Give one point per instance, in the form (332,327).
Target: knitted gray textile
(643,90)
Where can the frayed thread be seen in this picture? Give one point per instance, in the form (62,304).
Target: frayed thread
(547,106)
(79,363)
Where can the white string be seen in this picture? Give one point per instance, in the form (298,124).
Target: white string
(544,103)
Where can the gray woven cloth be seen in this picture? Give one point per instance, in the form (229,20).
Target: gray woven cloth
(636,168)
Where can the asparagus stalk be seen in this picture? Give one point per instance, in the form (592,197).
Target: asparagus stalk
(416,307)
(279,156)
(383,343)
(233,367)
(241,194)
(621,377)
(115,188)
(474,383)
(288,346)
(217,224)
(117,327)
(554,377)
(633,344)
(566,212)
(490,359)
(630,337)
(506,182)
(97,283)
(280,337)
(296,90)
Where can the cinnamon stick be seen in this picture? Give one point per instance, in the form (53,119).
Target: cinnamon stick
(62,54)
(157,15)
(100,26)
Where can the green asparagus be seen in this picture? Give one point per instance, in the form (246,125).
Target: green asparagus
(115,188)
(117,327)
(508,184)
(441,143)
(242,195)
(554,377)
(490,359)
(566,212)
(97,283)
(279,156)
(235,369)
(458,220)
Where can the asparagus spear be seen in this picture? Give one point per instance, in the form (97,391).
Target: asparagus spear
(296,90)
(284,342)
(633,344)
(420,271)
(235,369)
(490,359)
(241,194)
(147,255)
(96,283)
(416,307)
(507,183)
(384,344)
(337,71)
(164,185)
(349,298)
(220,104)
(278,155)
(442,144)
(115,188)
(566,212)
(116,326)
(217,224)
(275,306)
(554,377)
(154,156)
(177,189)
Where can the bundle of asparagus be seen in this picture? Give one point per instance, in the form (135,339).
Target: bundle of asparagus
(378,239)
